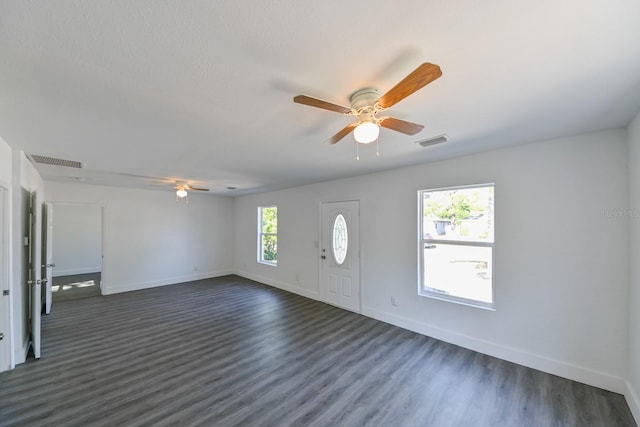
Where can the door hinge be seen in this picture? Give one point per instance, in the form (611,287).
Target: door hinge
(5,292)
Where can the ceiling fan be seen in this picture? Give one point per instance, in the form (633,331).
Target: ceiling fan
(182,187)
(366,103)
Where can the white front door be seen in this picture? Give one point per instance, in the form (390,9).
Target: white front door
(340,254)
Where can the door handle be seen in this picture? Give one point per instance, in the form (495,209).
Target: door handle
(50,265)
(323,257)
(1,336)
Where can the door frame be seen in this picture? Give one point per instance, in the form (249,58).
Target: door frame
(103,233)
(321,203)
(5,274)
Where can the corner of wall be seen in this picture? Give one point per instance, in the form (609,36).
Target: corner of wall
(280,285)
(632,391)
(633,401)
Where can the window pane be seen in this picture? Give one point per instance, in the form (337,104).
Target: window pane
(459,271)
(463,214)
(270,220)
(340,239)
(270,248)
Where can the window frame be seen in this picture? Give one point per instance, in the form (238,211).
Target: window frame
(422,289)
(262,234)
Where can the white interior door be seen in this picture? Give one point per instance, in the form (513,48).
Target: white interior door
(34,282)
(5,336)
(47,254)
(340,254)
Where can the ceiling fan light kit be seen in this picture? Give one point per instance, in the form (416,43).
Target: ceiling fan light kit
(366,132)
(182,190)
(366,103)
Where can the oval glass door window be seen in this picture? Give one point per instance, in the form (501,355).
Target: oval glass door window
(340,238)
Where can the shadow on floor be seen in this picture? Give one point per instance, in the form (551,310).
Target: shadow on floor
(78,286)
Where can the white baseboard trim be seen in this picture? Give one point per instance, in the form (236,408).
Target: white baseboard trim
(531,360)
(280,285)
(633,401)
(127,287)
(74,271)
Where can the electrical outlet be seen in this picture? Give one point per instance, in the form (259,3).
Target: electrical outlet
(394,301)
(298,278)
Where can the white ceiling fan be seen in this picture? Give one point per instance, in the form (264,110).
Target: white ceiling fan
(366,103)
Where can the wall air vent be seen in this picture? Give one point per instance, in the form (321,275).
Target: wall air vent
(433,141)
(44,160)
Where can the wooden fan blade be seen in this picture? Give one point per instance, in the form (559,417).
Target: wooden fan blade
(190,187)
(402,126)
(318,103)
(419,78)
(344,132)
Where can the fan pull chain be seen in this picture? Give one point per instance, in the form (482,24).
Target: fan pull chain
(377,147)
(357,150)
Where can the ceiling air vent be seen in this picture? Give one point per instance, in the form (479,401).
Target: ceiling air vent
(433,141)
(44,160)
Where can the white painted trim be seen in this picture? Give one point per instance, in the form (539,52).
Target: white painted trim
(5,271)
(633,401)
(74,271)
(280,285)
(126,287)
(531,360)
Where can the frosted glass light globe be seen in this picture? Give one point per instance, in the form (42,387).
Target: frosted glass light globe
(366,132)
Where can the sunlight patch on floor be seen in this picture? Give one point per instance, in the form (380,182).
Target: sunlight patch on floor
(66,287)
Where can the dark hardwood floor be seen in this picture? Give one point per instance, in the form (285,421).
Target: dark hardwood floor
(232,352)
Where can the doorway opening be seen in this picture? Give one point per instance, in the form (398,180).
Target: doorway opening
(77,250)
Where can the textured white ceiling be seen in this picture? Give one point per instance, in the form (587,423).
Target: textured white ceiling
(202,90)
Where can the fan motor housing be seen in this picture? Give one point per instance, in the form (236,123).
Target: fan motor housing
(366,97)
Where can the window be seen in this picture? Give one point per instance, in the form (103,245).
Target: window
(340,239)
(268,235)
(456,244)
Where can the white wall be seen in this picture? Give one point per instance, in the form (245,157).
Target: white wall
(561,262)
(150,240)
(77,239)
(633,392)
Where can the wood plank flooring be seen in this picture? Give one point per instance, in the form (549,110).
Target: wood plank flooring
(232,352)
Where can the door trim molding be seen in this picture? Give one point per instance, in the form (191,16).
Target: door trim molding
(5,272)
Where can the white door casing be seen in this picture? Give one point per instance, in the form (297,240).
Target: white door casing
(5,322)
(340,254)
